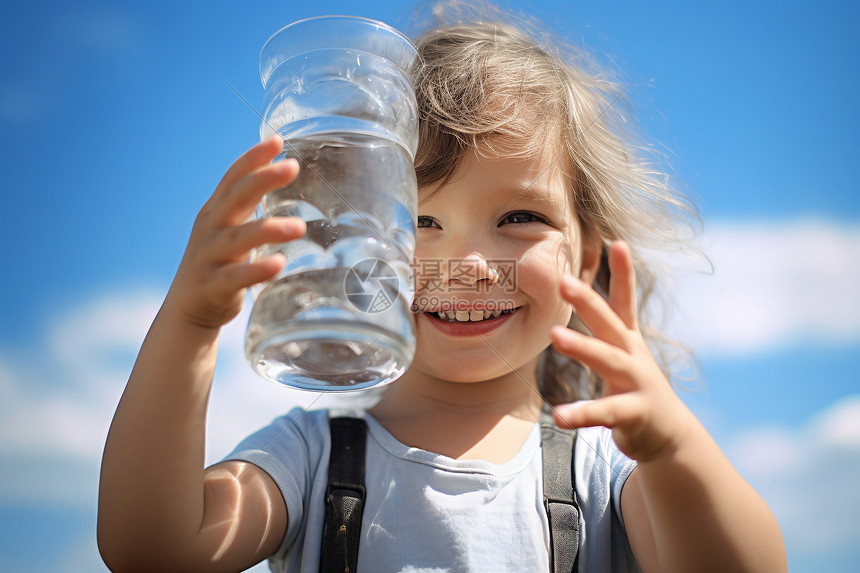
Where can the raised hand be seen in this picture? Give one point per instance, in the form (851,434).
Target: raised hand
(209,286)
(639,405)
(156,443)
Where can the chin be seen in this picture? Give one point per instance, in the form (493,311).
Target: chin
(460,372)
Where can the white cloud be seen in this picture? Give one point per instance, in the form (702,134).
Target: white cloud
(57,399)
(774,283)
(59,396)
(809,477)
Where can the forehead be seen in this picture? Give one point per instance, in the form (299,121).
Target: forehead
(480,172)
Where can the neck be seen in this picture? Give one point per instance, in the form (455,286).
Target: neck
(486,420)
(515,393)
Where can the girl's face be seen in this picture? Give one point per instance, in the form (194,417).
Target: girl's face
(513,216)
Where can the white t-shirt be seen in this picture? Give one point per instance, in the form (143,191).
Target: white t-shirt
(425,512)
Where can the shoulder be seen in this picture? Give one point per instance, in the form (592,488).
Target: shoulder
(297,423)
(299,428)
(298,436)
(293,451)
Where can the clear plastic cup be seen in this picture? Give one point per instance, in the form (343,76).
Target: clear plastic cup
(338,90)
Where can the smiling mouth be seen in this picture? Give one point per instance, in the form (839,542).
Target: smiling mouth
(470,316)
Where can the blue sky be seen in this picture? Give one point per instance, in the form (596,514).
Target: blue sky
(117,121)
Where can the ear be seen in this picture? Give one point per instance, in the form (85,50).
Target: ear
(592,254)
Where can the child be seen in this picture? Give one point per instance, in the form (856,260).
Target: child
(522,159)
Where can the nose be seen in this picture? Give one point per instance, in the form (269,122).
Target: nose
(470,270)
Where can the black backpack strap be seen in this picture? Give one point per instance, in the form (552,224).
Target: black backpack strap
(559,496)
(344,496)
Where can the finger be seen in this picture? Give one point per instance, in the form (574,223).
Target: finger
(258,156)
(232,278)
(609,362)
(609,412)
(622,284)
(235,243)
(239,202)
(594,311)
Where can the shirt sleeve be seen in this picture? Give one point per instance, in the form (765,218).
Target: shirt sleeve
(289,450)
(622,467)
(601,472)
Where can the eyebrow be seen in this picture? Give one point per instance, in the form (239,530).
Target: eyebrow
(514,195)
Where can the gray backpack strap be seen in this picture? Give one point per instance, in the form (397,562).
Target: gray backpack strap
(344,496)
(559,496)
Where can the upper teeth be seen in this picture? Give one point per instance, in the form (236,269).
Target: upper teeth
(466,315)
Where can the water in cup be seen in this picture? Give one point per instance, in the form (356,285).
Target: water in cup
(338,315)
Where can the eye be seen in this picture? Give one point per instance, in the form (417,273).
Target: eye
(523,217)
(426,222)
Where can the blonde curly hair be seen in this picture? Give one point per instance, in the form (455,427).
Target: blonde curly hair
(490,87)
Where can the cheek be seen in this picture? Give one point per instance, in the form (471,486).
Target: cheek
(426,271)
(549,260)
(540,271)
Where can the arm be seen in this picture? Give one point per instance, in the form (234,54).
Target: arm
(158,508)
(685,507)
